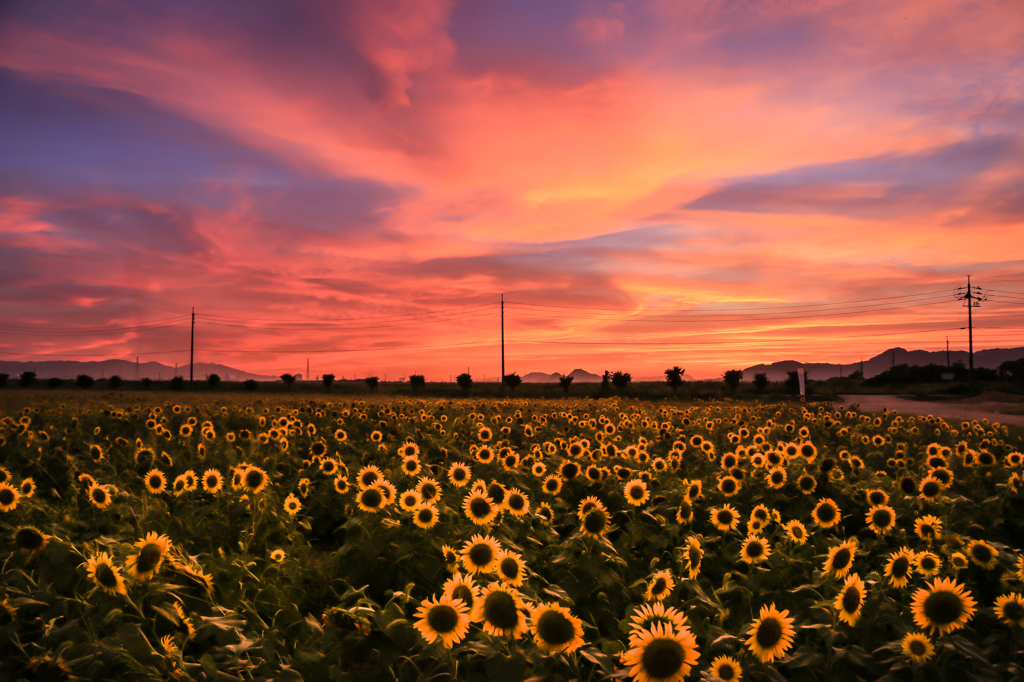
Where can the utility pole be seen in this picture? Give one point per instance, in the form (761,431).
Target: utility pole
(192,346)
(893,357)
(136,367)
(307,369)
(503,342)
(971,299)
(947,352)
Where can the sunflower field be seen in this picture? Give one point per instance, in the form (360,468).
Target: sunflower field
(414,539)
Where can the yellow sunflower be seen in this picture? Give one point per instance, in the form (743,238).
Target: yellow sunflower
(500,611)
(636,492)
(693,555)
(369,476)
(595,522)
(840,558)
(983,554)
(517,503)
(661,585)
(459,474)
(900,567)
(371,499)
(292,505)
(511,568)
(928,563)
(918,647)
(1010,609)
(684,513)
(479,508)
(796,533)
(30,539)
(462,587)
(429,490)
(99,495)
(480,554)
(662,654)
(152,550)
(555,629)
(156,482)
(725,519)
(944,606)
(446,619)
(771,635)
(850,599)
(409,500)
(106,576)
(881,519)
(213,481)
(254,480)
(425,516)
(928,528)
(755,550)
(27,487)
(727,669)
(826,513)
(552,484)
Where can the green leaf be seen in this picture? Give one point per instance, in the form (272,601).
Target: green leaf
(134,642)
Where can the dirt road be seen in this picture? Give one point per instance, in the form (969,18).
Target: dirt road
(946,409)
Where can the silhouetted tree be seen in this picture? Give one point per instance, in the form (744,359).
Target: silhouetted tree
(858,375)
(146,382)
(1013,370)
(288,380)
(328,380)
(54,382)
(566,381)
(251,384)
(606,380)
(674,377)
(177,383)
(114,381)
(512,380)
(84,381)
(372,382)
(213,380)
(732,378)
(27,379)
(3,379)
(621,379)
(417,381)
(761,381)
(465,381)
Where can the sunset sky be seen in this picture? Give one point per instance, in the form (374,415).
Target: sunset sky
(703,184)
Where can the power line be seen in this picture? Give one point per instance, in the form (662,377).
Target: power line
(443,311)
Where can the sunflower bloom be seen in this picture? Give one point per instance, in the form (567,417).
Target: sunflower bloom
(555,629)
(446,619)
(152,550)
(662,654)
(944,606)
(771,635)
(918,647)
(653,614)
(480,554)
(727,669)
(500,611)
(661,585)
(850,599)
(1010,609)
(106,576)
(840,558)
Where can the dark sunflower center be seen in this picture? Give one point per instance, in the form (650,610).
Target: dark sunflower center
(481,554)
(851,599)
(459,474)
(928,563)
(726,672)
(1013,610)
(372,497)
(755,549)
(594,522)
(662,658)
(876,498)
(464,593)
(724,517)
(425,515)
(841,559)
(254,479)
(500,610)
(369,478)
(659,586)
(428,490)
(930,489)
(694,555)
(570,469)
(769,633)
(917,647)
(927,530)
(509,567)
(685,509)
(154,482)
(99,495)
(149,556)
(443,619)
(908,486)
(982,553)
(516,502)
(728,486)
(776,478)
(882,518)
(900,567)
(826,513)
(29,538)
(554,628)
(179,485)
(943,608)
(211,481)
(807,483)
(479,507)
(411,466)
(105,576)
(797,531)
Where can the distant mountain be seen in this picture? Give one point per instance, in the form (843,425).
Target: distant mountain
(579,376)
(128,371)
(778,371)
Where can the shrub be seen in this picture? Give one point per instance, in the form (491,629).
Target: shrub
(328,380)
(27,379)
(566,381)
(465,381)
(732,378)
(621,379)
(288,380)
(84,381)
(674,377)
(761,381)
(512,380)
(251,384)
(3,379)
(114,381)
(54,382)
(146,382)
(177,383)
(417,381)
(372,382)
(213,380)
